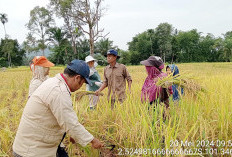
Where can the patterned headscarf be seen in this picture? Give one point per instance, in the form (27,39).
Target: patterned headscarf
(149,89)
(174,69)
(39,72)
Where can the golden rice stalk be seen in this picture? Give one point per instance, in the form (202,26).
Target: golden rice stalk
(187,82)
(81,94)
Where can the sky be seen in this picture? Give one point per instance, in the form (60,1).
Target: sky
(124,19)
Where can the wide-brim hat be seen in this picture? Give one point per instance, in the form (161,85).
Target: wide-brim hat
(42,61)
(113,52)
(153,61)
(89,59)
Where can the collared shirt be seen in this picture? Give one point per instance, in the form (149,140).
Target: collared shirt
(115,78)
(35,83)
(46,116)
(62,75)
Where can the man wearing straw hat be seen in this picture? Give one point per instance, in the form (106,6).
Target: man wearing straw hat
(115,76)
(49,115)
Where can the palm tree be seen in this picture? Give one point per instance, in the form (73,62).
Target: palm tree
(8,49)
(104,45)
(58,39)
(4,20)
(57,36)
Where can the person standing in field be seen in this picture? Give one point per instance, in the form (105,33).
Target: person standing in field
(95,80)
(49,115)
(150,91)
(115,76)
(174,70)
(40,69)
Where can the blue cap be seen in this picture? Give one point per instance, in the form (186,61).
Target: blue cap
(113,52)
(81,68)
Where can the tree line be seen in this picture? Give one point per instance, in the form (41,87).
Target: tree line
(178,46)
(80,36)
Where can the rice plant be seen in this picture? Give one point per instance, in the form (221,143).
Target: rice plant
(136,128)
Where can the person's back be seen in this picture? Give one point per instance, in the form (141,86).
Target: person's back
(40,71)
(34,84)
(38,121)
(43,123)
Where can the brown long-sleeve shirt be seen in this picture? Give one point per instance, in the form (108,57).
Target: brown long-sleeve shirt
(115,78)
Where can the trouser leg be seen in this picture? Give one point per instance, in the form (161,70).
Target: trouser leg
(113,102)
(93,99)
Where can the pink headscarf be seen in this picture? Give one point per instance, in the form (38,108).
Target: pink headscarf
(149,89)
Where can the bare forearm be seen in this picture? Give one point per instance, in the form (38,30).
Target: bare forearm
(103,86)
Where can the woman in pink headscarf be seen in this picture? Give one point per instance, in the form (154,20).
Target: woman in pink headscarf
(151,92)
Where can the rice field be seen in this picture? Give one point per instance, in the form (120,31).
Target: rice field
(198,125)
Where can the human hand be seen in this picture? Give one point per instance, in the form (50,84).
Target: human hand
(129,91)
(97,92)
(72,140)
(96,144)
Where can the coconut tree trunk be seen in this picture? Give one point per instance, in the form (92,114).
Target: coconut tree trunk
(9,59)
(4,30)
(172,58)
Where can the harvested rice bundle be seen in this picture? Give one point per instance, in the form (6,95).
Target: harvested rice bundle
(189,83)
(80,94)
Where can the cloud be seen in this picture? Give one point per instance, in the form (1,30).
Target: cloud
(126,18)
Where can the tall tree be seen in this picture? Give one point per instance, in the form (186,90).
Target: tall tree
(64,9)
(83,47)
(151,34)
(87,13)
(30,44)
(11,52)
(207,51)
(142,45)
(8,49)
(227,55)
(59,42)
(103,45)
(38,25)
(175,47)
(189,45)
(57,36)
(219,50)
(164,37)
(4,20)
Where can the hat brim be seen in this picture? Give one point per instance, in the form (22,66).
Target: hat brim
(87,80)
(90,60)
(46,64)
(112,54)
(146,63)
